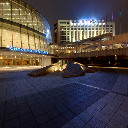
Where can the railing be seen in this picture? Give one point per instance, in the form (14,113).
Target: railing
(111,52)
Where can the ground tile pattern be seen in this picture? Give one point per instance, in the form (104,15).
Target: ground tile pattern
(97,100)
(53,108)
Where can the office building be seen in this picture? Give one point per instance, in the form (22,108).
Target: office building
(77,30)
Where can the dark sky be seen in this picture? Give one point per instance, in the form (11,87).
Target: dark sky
(54,10)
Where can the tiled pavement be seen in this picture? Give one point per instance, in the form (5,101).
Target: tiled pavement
(95,100)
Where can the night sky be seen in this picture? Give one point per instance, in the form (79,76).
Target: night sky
(54,10)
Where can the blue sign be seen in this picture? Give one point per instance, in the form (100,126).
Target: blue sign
(28,50)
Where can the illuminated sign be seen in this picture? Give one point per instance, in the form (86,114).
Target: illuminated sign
(84,21)
(93,21)
(28,50)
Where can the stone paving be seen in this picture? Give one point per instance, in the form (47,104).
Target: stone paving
(96,100)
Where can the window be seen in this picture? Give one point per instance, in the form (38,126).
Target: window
(67,37)
(62,22)
(62,42)
(62,28)
(63,33)
(62,37)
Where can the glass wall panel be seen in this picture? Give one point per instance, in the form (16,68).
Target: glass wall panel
(16,36)
(24,38)
(15,33)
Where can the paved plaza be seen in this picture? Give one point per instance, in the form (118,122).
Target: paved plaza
(96,100)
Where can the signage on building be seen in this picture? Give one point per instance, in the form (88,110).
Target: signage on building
(28,50)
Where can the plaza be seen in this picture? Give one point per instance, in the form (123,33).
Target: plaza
(96,100)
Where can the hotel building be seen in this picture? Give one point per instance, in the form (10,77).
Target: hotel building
(24,35)
(76,30)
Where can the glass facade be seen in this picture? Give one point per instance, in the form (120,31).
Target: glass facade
(22,26)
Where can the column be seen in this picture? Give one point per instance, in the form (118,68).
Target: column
(21,35)
(102,30)
(94,31)
(21,61)
(91,31)
(40,61)
(87,33)
(14,61)
(73,36)
(28,36)
(80,35)
(7,61)
(29,61)
(35,62)
(84,33)
(77,35)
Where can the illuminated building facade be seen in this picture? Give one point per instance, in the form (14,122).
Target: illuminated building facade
(22,30)
(76,30)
